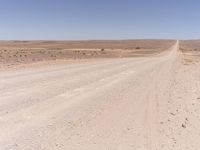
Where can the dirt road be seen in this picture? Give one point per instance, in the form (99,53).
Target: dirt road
(149,103)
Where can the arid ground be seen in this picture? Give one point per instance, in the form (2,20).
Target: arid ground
(138,95)
(28,52)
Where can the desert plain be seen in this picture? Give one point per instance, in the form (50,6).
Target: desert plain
(100,95)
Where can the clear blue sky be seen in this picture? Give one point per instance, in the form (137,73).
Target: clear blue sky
(99,19)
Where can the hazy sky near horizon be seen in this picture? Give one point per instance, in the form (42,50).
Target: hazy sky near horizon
(99,19)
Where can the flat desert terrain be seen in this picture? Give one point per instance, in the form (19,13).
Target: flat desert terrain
(14,53)
(144,96)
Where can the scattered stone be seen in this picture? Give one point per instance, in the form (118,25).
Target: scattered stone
(172,114)
(184,126)
(174,139)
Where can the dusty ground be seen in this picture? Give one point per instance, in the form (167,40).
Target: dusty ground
(26,52)
(142,103)
(190,50)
